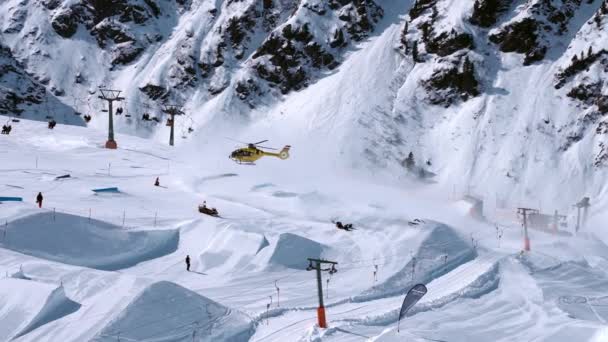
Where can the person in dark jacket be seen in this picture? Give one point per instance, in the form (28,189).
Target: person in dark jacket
(348,227)
(157,182)
(39,199)
(188,263)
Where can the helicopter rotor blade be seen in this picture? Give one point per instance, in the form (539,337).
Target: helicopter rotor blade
(268,148)
(259,142)
(238,141)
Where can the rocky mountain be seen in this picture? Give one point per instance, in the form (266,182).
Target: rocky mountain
(488,94)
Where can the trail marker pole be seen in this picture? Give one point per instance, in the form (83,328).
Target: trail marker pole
(413,267)
(375,273)
(267,314)
(194,327)
(124,214)
(278,294)
(317,267)
(155,216)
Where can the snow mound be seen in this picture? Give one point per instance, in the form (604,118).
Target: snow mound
(440,252)
(292,250)
(165,311)
(27,305)
(79,241)
(232,249)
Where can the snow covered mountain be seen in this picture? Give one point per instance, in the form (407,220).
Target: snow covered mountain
(487,94)
(395,110)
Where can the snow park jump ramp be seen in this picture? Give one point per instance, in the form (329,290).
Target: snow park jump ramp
(429,262)
(76,240)
(27,305)
(164,312)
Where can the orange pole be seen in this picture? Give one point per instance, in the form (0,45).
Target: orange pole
(321,316)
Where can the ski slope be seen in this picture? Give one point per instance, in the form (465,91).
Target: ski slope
(121,272)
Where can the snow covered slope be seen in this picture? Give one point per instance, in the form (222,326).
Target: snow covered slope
(393,109)
(248,280)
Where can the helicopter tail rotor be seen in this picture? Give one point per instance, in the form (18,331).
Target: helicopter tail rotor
(284,154)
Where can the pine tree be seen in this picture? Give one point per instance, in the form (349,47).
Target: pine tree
(425,32)
(338,40)
(404,37)
(409,162)
(415,52)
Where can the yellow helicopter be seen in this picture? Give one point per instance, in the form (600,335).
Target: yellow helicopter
(253,152)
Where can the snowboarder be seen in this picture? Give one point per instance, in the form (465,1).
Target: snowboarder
(52,124)
(188,263)
(39,199)
(157,182)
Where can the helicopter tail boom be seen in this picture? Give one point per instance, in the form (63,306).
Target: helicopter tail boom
(283,154)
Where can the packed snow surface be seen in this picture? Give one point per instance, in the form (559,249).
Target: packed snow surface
(91,266)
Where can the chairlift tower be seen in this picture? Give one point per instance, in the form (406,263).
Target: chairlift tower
(172,110)
(584,203)
(524,212)
(110,95)
(317,267)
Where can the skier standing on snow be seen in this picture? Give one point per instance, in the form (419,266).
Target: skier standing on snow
(188,263)
(157,182)
(39,200)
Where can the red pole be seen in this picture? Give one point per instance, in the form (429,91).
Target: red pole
(321,315)
(321,309)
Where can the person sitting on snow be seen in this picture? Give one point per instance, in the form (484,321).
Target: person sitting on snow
(348,227)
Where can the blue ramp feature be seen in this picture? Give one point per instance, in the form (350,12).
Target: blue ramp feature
(11,199)
(106,190)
